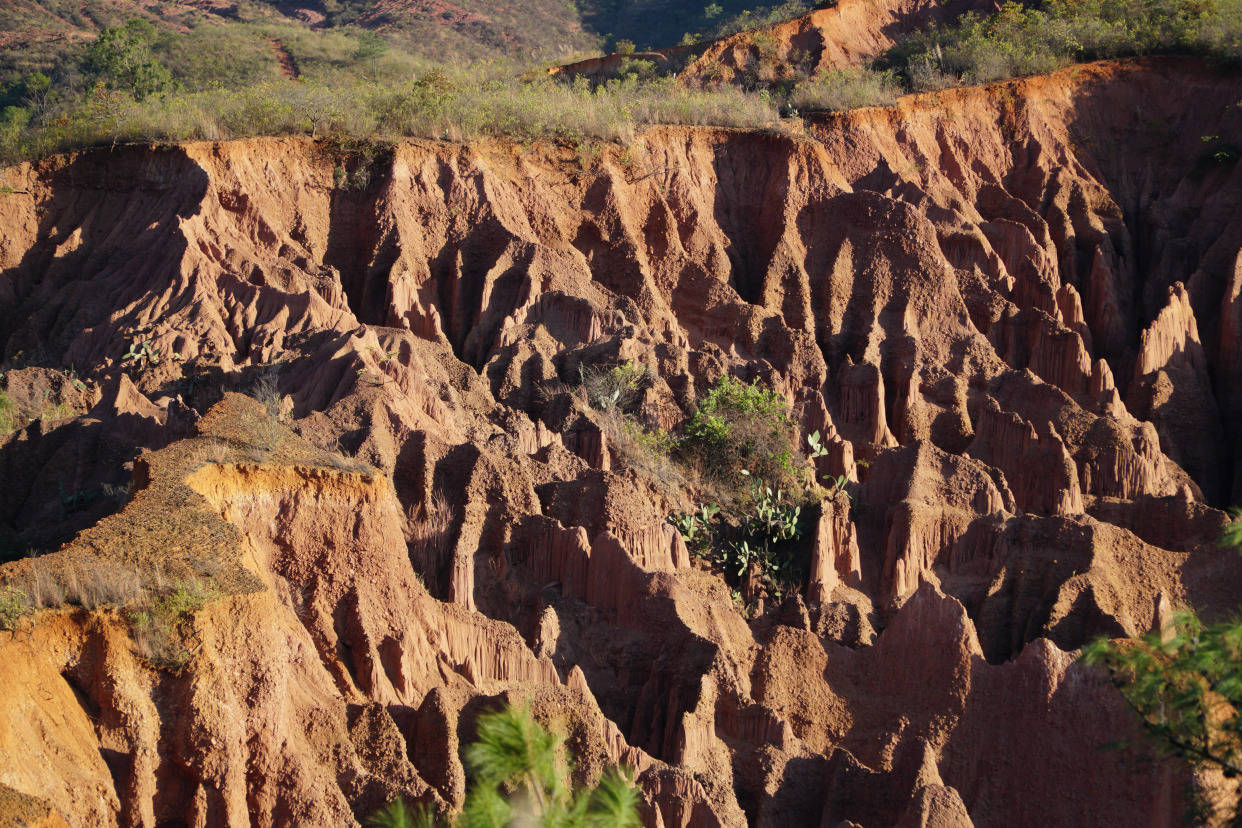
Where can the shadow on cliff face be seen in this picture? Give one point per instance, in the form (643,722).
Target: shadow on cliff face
(108,244)
(752,191)
(106,239)
(1176,200)
(358,246)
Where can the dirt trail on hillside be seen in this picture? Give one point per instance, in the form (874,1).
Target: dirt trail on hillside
(284,60)
(1019,305)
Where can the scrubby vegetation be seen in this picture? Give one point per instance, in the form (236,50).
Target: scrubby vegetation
(139,83)
(15,605)
(136,84)
(155,622)
(1025,40)
(615,392)
(737,455)
(742,432)
(8,414)
(519,774)
(846,89)
(718,25)
(153,606)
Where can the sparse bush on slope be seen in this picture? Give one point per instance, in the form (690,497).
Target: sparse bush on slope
(739,452)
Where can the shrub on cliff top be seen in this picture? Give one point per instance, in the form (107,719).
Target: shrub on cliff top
(1021,40)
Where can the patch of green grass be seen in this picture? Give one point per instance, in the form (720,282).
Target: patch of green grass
(8,414)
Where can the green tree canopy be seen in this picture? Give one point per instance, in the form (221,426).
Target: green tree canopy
(122,58)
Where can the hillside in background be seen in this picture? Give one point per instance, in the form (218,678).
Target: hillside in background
(36,34)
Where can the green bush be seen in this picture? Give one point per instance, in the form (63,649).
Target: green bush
(8,414)
(122,58)
(14,606)
(742,432)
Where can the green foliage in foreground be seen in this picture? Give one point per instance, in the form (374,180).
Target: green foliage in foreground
(518,775)
(1232,536)
(1185,685)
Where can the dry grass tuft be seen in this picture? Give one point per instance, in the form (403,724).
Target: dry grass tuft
(266,392)
(648,452)
(430,534)
(153,603)
(157,623)
(89,584)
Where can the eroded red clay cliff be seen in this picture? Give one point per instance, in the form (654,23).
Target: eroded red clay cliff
(983,294)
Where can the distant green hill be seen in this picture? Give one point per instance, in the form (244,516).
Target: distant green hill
(47,35)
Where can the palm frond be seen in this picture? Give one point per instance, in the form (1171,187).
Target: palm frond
(485,808)
(510,745)
(396,815)
(1232,534)
(614,802)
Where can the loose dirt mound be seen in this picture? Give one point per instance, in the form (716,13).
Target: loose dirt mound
(1019,305)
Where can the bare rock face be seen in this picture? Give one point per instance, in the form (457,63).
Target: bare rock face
(1032,409)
